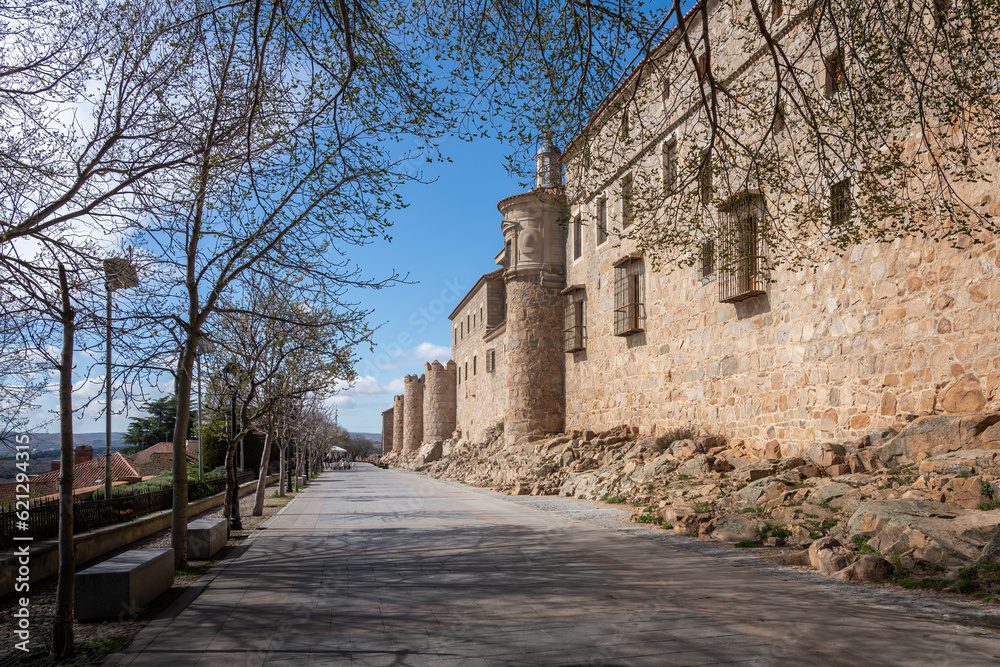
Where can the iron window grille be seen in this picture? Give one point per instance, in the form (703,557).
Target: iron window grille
(574,319)
(741,260)
(630,312)
(840,204)
(706,257)
(491,360)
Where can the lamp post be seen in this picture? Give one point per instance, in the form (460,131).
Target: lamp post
(119,273)
(232,370)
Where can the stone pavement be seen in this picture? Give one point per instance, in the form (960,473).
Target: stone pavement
(384,567)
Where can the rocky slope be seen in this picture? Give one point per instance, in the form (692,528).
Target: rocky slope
(919,503)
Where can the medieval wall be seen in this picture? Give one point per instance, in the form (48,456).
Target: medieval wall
(387,419)
(413,412)
(479,385)
(439,401)
(863,339)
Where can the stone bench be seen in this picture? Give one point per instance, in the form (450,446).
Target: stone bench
(120,586)
(205,537)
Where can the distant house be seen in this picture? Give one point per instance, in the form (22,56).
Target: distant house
(88,476)
(159,458)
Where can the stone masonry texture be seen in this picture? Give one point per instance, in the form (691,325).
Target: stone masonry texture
(413,409)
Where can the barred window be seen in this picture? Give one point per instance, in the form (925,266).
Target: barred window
(491,360)
(626,201)
(840,204)
(577,237)
(834,73)
(707,259)
(602,221)
(741,250)
(574,327)
(777,9)
(630,313)
(669,166)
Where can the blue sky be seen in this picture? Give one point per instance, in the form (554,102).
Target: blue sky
(445,240)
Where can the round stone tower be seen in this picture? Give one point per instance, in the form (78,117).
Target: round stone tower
(440,401)
(413,412)
(534,230)
(397,422)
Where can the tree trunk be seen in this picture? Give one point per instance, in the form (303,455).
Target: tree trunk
(258,504)
(281,471)
(62,627)
(232,489)
(182,390)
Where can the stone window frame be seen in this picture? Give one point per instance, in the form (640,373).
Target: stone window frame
(630,295)
(602,219)
(706,184)
(668,165)
(626,189)
(474,365)
(707,261)
(574,318)
(741,263)
(834,73)
(841,200)
(491,360)
(577,237)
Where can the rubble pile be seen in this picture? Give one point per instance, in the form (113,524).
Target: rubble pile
(920,499)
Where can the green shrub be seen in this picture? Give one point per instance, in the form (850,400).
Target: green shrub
(746,544)
(672,436)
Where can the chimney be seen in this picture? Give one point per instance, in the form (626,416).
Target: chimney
(82,454)
(55,465)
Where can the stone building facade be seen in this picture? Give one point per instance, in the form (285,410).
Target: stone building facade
(585,333)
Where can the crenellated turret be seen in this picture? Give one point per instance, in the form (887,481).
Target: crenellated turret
(439,401)
(413,412)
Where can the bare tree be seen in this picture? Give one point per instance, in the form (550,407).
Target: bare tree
(275,351)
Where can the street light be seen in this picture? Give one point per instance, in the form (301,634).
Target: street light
(233,370)
(119,273)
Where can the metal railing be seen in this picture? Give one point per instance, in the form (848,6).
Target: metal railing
(89,515)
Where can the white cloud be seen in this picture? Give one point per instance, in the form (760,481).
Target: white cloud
(369,386)
(430,352)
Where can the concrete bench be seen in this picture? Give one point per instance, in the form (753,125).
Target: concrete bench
(120,586)
(205,537)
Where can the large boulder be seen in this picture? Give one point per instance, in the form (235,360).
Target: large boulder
(866,568)
(737,527)
(962,395)
(828,555)
(934,435)
(428,453)
(935,532)
(827,454)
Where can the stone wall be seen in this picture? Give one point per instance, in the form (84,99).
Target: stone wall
(387,420)
(534,402)
(413,412)
(439,401)
(865,338)
(398,417)
(479,390)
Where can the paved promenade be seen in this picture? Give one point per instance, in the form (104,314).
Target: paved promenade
(383,567)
